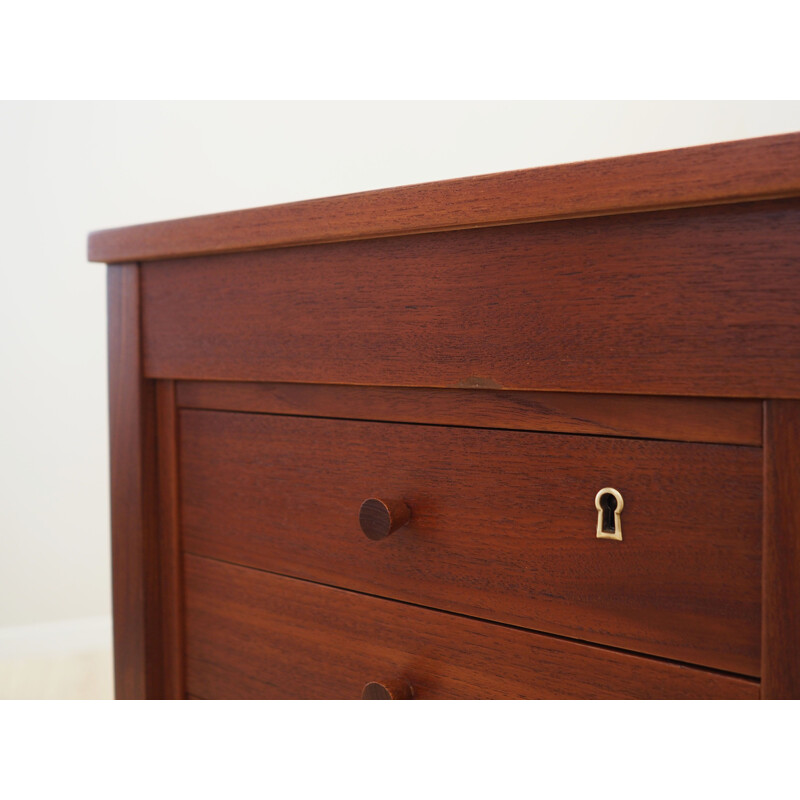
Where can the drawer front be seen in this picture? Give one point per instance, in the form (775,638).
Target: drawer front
(255,635)
(503,525)
(659,303)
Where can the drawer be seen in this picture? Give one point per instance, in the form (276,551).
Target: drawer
(252,635)
(503,525)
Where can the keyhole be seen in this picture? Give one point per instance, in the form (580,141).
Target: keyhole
(609,505)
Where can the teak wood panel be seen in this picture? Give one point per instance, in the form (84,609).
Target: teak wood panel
(144,549)
(503,525)
(688,302)
(132,475)
(677,418)
(252,635)
(695,176)
(781,604)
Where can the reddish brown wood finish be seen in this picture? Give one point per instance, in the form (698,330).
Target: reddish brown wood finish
(677,418)
(253,635)
(146,563)
(689,302)
(169,564)
(780,646)
(593,321)
(696,176)
(133,493)
(503,525)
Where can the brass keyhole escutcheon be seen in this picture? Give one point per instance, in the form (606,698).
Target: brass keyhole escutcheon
(609,504)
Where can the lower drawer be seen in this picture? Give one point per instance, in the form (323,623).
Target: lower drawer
(252,634)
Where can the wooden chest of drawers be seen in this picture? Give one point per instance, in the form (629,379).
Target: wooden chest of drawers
(563,405)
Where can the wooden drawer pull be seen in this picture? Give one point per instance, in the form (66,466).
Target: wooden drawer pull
(378,518)
(399,689)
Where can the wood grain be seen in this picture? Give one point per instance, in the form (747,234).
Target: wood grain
(696,302)
(503,525)
(721,173)
(781,603)
(676,418)
(133,494)
(252,635)
(169,564)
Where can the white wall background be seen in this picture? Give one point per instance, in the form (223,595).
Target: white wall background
(68,168)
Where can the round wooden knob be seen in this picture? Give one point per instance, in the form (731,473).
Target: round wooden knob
(379,518)
(399,689)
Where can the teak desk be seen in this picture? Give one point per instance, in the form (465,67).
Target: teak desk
(526,435)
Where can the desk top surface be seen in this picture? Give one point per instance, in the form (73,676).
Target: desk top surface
(729,172)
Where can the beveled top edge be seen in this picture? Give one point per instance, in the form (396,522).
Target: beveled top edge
(728,172)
